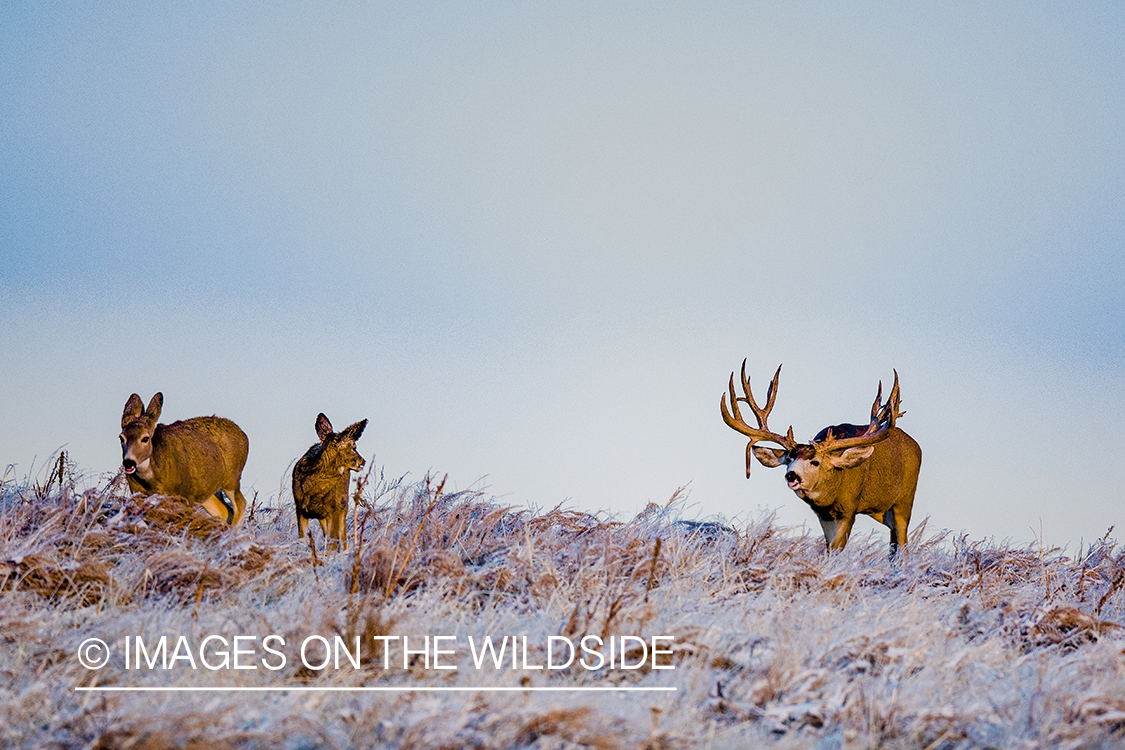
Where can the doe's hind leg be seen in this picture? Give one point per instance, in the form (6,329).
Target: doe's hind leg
(239,505)
(216,506)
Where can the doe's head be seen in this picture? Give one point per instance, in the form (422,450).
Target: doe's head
(137,427)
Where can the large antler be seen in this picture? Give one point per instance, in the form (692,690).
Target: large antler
(734,419)
(883,418)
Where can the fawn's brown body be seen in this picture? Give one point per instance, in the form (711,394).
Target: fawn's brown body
(321,478)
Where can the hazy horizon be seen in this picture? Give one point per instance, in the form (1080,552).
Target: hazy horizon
(530,243)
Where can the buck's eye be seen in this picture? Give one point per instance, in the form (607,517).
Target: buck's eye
(121,438)
(814,462)
(144,439)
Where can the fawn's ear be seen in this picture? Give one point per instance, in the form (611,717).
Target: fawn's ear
(354,431)
(134,407)
(323,427)
(154,406)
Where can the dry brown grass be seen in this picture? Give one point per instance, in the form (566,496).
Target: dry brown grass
(960,644)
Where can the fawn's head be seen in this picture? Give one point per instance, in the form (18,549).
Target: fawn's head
(338,448)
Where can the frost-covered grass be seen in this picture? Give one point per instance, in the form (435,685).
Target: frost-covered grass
(959,644)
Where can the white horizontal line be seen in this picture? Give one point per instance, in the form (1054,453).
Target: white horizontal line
(420,689)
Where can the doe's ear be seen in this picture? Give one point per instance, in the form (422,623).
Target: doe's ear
(154,407)
(768,457)
(850,457)
(134,407)
(323,427)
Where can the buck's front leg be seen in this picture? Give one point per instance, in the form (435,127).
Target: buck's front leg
(828,525)
(843,531)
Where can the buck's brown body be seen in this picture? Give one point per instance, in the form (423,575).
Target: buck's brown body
(882,486)
(194,459)
(845,470)
(321,478)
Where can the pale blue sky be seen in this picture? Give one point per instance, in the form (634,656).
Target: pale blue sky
(530,241)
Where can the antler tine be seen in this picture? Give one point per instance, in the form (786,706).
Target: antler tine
(771,392)
(883,417)
(734,419)
(733,404)
(877,407)
(890,411)
(895,400)
(746,388)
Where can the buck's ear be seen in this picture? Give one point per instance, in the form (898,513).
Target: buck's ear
(323,427)
(769,457)
(850,457)
(154,407)
(134,407)
(354,431)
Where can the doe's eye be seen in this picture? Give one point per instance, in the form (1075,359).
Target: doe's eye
(144,439)
(814,462)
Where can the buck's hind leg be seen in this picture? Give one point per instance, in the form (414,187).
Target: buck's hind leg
(891,522)
(902,521)
(897,522)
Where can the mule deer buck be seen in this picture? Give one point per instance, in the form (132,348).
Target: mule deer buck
(199,459)
(845,470)
(321,478)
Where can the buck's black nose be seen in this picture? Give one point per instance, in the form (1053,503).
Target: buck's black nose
(792,477)
(129,463)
